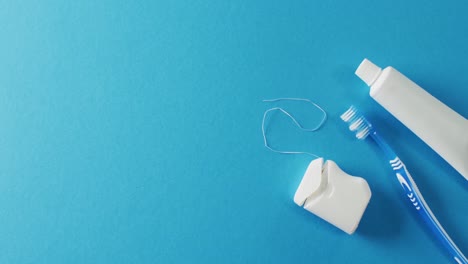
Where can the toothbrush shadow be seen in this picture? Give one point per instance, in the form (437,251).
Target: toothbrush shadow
(381,218)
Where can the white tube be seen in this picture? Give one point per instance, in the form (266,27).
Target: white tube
(443,129)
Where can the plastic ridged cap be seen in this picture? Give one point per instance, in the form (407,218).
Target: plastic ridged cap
(368,72)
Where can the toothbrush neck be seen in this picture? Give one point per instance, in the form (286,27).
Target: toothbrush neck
(388,151)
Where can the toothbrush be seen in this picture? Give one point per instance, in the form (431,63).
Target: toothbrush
(363,128)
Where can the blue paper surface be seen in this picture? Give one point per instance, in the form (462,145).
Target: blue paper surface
(130,130)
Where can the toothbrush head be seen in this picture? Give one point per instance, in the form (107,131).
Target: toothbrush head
(357,122)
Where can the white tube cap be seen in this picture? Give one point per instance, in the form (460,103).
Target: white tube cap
(368,72)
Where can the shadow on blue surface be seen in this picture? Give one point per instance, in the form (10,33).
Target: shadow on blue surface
(380,220)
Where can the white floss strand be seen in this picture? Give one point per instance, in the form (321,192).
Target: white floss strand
(265,140)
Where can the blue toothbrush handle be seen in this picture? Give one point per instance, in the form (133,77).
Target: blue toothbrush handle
(416,199)
(363,128)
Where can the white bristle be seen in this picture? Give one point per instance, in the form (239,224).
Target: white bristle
(348,114)
(356,124)
(362,133)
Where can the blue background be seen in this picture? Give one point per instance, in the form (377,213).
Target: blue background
(130,130)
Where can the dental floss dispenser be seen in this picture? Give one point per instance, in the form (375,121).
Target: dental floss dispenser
(333,195)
